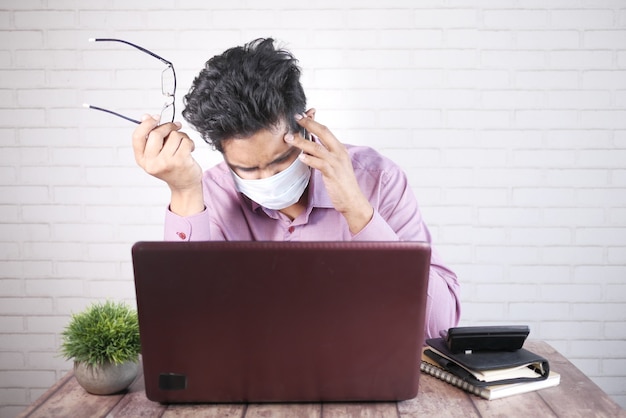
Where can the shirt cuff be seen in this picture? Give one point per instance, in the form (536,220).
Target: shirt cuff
(376,230)
(187,228)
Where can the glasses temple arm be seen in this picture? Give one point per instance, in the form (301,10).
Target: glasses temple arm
(142,49)
(88,106)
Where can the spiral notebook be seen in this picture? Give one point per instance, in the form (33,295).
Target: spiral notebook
(281,321)
(429,366)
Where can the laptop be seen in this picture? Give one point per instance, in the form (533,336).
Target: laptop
(281,321)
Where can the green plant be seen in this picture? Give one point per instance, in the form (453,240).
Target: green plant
(103,332)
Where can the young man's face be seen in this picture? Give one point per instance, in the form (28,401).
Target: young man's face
(261,155)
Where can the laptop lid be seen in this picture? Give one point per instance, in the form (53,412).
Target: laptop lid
(281,321)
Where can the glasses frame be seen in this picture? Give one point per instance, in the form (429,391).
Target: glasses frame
(171,97)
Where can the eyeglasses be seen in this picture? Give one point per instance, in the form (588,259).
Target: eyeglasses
(168,85)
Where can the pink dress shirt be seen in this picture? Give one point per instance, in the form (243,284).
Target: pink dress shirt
(231,216)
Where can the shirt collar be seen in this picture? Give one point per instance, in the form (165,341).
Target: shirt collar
(318,195)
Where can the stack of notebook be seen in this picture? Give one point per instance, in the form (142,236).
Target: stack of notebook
(490,374)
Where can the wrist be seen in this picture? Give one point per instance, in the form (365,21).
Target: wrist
(359,218)
(187,201)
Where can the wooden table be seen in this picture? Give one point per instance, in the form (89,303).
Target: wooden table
(576,396)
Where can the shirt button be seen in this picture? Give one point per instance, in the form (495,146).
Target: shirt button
(181,235)
(291,229)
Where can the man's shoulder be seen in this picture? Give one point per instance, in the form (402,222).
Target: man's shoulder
(369,159)
(218,170)
(218,175)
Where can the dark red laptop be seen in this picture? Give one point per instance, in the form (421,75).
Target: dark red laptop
(281,321)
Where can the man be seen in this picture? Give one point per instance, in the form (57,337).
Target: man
(276,183)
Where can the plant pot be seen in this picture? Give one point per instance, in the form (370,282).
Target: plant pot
(106,379)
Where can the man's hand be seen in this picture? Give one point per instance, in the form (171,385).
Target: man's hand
(331,158)
(165,153)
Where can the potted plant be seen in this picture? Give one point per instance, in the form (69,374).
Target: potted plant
(104,342)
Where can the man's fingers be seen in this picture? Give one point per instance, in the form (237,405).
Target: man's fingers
(308,147)
(140,135)
(176,142)
(157,139)
(187,146)
(321,131)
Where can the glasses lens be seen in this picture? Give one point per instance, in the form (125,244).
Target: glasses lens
(167,114)
(168,81)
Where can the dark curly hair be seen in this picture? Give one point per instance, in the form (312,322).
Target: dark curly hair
(244,90)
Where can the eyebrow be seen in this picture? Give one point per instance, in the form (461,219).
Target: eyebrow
(277,160)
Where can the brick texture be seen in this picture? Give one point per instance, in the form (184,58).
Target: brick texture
(509,118)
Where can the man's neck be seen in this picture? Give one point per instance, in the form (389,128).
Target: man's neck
(295,210)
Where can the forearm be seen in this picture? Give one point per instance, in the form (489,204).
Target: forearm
(187,202)
(359,217)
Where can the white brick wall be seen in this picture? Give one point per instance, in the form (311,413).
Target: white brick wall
(508,116)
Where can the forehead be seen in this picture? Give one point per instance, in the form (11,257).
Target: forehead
(257,150)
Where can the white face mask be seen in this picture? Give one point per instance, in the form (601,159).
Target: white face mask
(278,191)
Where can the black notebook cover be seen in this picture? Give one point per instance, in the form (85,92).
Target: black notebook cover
(485,361)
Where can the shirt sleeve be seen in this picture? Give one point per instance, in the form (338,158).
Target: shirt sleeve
(397,217)
(181,228)
(377,229)
(443,304)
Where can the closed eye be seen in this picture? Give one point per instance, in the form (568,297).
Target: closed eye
(282,159)
(277,161)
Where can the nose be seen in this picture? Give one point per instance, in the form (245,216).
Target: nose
(259,173)
(267,172)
